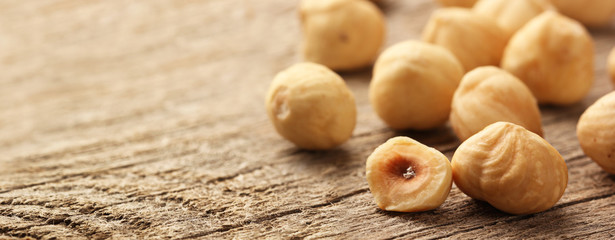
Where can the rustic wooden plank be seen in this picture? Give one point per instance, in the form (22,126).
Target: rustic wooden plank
(146,119)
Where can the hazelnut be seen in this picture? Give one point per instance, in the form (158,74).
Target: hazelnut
(487,95)
(341,34)
(457,3)
(407,176)
(474,39)
(311,106)
(554,56)
(511,15)
(511,168)
(596,132)
(413,84)
(593,13)
(611,65)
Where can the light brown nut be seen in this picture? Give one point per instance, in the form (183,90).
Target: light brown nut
(511,168)
(457,3)
(592,13)
(407,176)
(311,106)
(341,34)
(511,15)
(474,39)
(554,56)
(611,65)
(487,95)
(596,132)
(413,84)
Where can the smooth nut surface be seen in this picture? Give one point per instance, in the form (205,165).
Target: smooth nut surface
(554,56)
(341,34)
(457,3)
(407,176)
(511,15)
(596,132)
(474,39)
(413,84)
(593,13)
(311,106)
(611,65)
(487,95)
(511,168)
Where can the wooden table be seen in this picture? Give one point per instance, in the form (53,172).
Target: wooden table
(139,119)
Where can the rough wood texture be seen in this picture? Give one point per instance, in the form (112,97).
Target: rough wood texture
(138,119)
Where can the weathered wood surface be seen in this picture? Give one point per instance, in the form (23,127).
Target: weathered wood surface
(138,119)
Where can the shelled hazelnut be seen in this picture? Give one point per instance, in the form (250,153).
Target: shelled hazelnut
(311,106)
(341,34)
(457,3)
(487,95)
(592,13)
(407,176)
(611,65)
(511,168)
(413,84)
(511,15)
(596,132)
(474,39)
(554,56)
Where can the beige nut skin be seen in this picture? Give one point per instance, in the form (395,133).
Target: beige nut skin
(407,176)
(512,15)
(592,13)
(596,132)
(487,95)
(611,65)
(311,106)
(413,84)
(511,168)
(554,56)
(457,3)
(341,34)
(474,39)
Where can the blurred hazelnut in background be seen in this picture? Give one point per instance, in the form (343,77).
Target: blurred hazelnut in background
(474,39)
(512,15)
(554,56)
(592,13)
(457,3)
(341,34)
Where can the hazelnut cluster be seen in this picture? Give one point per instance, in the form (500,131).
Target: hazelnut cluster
(483,66)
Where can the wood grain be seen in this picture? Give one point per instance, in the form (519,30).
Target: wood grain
(140,119)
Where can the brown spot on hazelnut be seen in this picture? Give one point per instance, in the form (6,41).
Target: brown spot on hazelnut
(344,37)
(404,167)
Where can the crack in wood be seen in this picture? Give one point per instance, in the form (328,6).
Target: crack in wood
(226,228)
(97,172)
